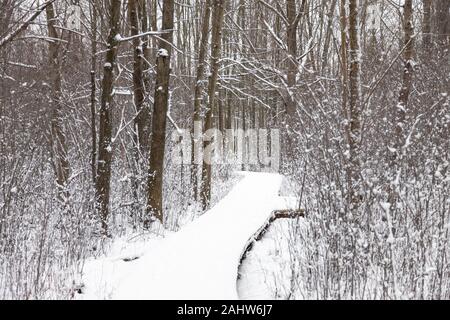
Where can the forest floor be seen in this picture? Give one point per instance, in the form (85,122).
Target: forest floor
(198,262)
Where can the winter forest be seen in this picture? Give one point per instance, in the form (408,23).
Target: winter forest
(224,149)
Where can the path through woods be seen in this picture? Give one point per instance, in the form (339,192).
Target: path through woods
(198,262)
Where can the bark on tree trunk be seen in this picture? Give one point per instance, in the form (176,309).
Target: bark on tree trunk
(426,24)
(355,106)
(443,22)
(93,90)
(345,85)
(59,145)
(407,75)
(328,34)
(217,18)
(196,141)
(146,48)
(161,100)
(105,125)
(141,120)
(291,36)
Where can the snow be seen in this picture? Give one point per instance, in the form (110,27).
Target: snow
(163,53)
(266,272)
(198,262)
(122,91)
(386,206)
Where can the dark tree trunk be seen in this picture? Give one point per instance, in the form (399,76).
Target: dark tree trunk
(217,18)
(161,100)
(105,151)
(196,141)
(142,114)
(354,105)
(442,8)
(59,145)
(93,90)
(426,24)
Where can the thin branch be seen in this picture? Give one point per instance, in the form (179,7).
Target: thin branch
(10,37)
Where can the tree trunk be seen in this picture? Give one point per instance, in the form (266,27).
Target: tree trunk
(345,84)
(354,106)
(141,120)
(291,36)
(105,126)
(426,24)
(328,34)
(93,90)
(217,18)
(59,145)
(161,100)
(443,22)
(407,76)
(146,66)
(196,141)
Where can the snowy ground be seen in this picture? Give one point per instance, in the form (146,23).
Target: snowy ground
(266,273)
(198,262)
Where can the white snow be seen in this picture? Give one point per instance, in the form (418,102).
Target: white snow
(163,53)
(198,262)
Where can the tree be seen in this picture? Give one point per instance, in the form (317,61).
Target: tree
(142,114)
(160,106)
(217,18)
(58,137)
(426,24)
(354,137)
(14,33)
(198,93)
(93,98)
(407,76)
(443,22)
(402,106)
(105,152)
(291,37)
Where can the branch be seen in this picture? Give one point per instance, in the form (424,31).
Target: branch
(278,214)
(376,83)
(149,33)
(278,12)
(10,37)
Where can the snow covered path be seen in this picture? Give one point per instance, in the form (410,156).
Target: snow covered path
(198,262)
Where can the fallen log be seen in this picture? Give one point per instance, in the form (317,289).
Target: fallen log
(277,214)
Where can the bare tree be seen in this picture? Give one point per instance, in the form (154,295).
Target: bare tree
(142,117)
(161,102)
(354,106)
(94,22)
(59,144)
(105,152)
(217,18)
(402,106)
(442,8)
(198,93)
(407,76)
(426,24)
